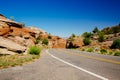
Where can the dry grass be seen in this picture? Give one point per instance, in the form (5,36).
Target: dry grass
(14,60)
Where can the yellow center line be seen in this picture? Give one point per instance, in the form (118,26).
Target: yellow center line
(91,57)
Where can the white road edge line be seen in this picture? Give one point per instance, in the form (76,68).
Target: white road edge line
(91,73)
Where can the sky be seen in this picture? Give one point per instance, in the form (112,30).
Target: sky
(63,17)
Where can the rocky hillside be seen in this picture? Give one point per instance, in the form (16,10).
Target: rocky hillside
(16,38)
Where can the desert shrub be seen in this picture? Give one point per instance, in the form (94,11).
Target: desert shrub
(90,50)
(37,40)
(103,51)
(116,44)
(34,50)
(87,34)
(86,41)
(117,53)
(72,39)
(83,49)
(101,37)
(45,41)
(73,35)
(110,53)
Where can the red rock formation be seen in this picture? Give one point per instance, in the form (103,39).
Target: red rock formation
(26,36)
(57,42)
(75,43)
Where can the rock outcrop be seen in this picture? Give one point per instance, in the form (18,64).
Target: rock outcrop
(6,51)
(11,46)
(57,42)
(10,22)
(4,28)
(2,16)
(15,37)
(75,42)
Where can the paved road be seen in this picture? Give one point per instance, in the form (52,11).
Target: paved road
(62,64)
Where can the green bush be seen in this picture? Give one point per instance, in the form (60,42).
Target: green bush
(110,53)
(73,35)
(101,37)
(34,50)
(87,34)
(71,39)
(90,50)
(116,44)
(83,49)
(86,41)
(117,53)
(37,40)
(95,30)
(45,41)
(103,51)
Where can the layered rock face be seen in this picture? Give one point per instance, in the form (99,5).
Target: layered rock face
(16,38)
(10,45)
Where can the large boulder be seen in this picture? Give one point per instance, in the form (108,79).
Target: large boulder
(61,43)
(76,42)
(10,45)
(57,42)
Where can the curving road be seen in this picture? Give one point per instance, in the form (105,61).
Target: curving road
(65,64)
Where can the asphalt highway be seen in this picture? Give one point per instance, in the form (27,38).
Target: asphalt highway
(65,64)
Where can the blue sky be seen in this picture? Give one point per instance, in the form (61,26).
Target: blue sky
(63,17)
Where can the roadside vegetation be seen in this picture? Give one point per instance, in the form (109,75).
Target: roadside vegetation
(34,50)
(102,51)
(86,41)
(20,59)
(45,41)
(97,41)
(15,60)
(116,44)
(101,36)
(90,50)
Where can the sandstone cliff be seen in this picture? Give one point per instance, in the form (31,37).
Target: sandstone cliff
(15,37)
